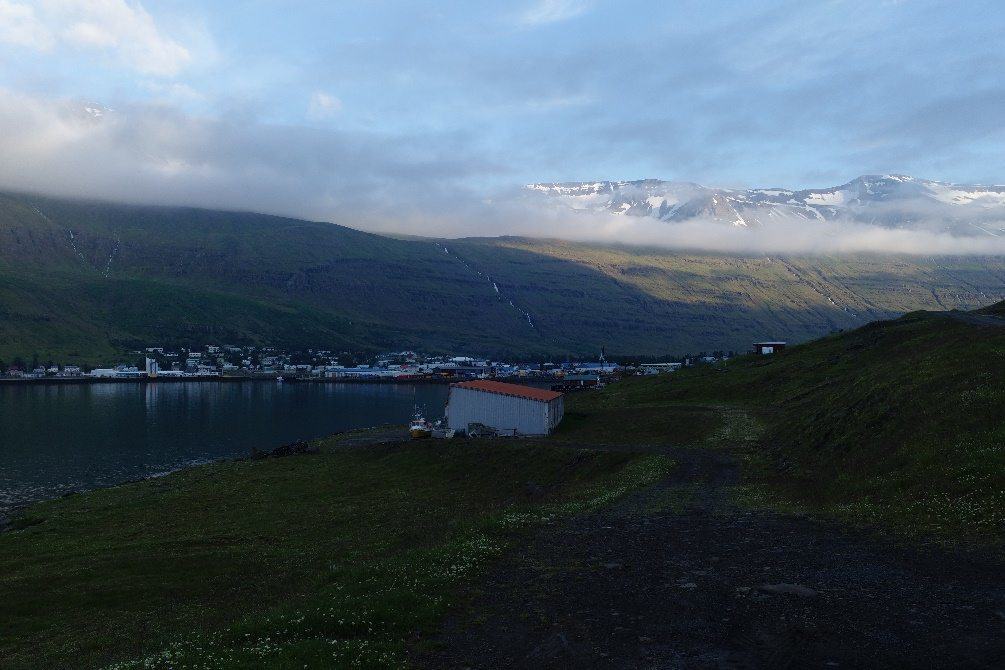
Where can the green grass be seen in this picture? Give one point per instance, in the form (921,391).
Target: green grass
(612,419)
(898,423)
(332,560)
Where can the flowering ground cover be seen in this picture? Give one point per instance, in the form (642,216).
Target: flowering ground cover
(341,558)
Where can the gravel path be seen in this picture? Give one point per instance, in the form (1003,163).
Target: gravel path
(678,576)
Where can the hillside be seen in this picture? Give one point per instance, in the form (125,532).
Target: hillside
(93,278)
(898,421)
(83,281)
(839,504)
(649,300)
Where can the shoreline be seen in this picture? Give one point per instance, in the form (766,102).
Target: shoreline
(8,515)
(380,435)
(59,381)
(63,381)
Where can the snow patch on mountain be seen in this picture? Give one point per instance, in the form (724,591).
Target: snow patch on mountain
(891,201)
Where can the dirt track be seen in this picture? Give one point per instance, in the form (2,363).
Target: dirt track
(678,576)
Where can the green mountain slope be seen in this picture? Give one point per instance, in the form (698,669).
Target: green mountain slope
(90,278)
(638,300)
(898,420)
(82,281)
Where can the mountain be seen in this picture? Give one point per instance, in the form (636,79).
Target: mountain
(91,278)
(889,200)
(83,281)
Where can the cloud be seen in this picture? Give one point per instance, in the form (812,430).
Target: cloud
(323,105)
(172,92)
(158,154)
(20,26)
(776,92)
(559,102)
(424,184)
(124,30)
(780,236)
(552,11)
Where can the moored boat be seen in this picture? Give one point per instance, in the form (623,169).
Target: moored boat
(419,428)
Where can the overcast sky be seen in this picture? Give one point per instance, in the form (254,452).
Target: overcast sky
(366,111)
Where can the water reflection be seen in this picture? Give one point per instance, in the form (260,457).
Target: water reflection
(60,438)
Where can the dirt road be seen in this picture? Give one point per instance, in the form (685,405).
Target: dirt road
(680,576)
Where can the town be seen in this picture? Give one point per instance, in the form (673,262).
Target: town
(219,362)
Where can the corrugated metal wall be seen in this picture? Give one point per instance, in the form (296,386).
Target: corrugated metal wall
(504,413)
(555,412)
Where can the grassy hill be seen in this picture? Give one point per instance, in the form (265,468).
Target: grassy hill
(898,421)
(83,281)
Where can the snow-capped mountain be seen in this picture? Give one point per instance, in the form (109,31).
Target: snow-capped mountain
(887,200)
(87,112)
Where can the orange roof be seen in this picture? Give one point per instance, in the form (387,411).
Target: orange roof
(515,390)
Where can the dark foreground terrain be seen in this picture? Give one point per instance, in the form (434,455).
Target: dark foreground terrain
(838,505)
(679,575)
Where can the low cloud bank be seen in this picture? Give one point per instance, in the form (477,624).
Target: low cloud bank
(431,185)
(155,154)
(779,236)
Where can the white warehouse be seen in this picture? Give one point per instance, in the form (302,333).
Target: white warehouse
(511,409)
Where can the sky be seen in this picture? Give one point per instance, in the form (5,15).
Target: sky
(419,115)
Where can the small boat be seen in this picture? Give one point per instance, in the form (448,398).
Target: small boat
(419,428)
(279,380)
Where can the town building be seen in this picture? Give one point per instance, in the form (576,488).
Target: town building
(768,347)
(509,409)
(659,368)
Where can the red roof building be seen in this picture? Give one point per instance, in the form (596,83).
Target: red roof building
(509,409)
(514,390)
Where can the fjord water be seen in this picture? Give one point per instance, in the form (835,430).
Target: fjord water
(60,438)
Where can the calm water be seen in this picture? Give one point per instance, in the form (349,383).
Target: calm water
(55,439)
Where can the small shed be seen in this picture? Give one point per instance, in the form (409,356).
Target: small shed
(768,347)
(510,409)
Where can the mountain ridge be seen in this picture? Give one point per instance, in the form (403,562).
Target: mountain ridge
(892,200)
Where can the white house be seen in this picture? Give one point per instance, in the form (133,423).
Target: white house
(511,409)
(768,347)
